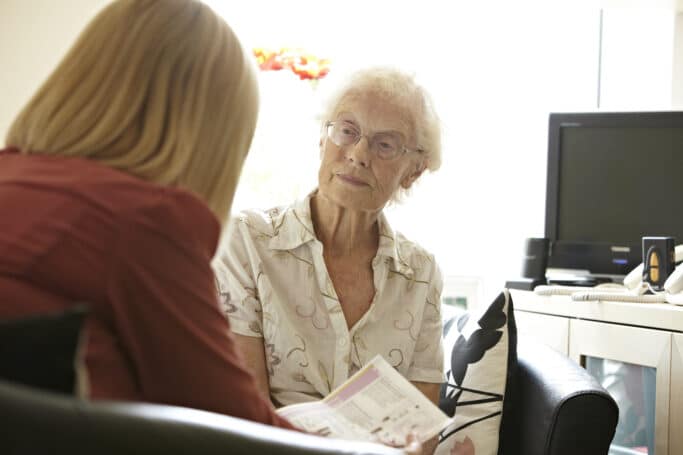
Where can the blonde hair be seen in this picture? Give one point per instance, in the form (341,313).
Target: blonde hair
(161,89)
(401,90)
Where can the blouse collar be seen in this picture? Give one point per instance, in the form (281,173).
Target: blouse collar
(294,227)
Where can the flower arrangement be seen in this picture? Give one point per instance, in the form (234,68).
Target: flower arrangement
(304,65)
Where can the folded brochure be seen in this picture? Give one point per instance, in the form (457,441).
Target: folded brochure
(375,404)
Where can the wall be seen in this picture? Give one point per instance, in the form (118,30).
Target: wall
(34,35)
(677,82)
(638,59)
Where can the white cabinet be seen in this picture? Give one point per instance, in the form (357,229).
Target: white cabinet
(676,407)
(634,349)
(549,330)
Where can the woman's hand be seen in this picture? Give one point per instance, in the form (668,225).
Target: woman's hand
(413,445)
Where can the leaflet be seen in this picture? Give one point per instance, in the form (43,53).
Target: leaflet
(375,404)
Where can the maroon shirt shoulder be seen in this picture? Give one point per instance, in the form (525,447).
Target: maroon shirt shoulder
(71,210)
(139,255)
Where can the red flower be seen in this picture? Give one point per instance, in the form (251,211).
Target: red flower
(304,65)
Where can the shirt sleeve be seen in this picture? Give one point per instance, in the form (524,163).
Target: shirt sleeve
(427,363)
(167,317)
(237,271)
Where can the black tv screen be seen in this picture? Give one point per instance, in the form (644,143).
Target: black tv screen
(612,179)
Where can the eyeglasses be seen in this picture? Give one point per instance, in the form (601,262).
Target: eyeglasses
(386,145)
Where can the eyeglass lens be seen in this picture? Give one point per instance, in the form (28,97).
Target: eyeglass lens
(385,145)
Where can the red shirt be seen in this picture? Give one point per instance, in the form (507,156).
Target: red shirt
(138,254)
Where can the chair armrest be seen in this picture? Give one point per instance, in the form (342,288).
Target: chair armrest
(561,408)
(35,421)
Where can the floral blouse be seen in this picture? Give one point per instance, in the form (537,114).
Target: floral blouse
(274,284)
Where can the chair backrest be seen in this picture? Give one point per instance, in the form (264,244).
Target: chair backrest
(40,351)
(552,406)
(36,421)
(562,409)
(37,372)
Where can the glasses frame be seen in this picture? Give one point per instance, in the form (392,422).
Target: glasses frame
(330,123)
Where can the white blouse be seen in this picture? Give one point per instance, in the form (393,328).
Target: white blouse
(274,284)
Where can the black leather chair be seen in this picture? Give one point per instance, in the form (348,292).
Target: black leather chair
(34,421)
(559,409)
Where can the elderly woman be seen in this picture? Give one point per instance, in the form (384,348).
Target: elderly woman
(315,290)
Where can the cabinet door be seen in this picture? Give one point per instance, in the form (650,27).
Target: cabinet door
(634,365)
(552,331)
(676,415)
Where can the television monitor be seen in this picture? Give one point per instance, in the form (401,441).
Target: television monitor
(612,179)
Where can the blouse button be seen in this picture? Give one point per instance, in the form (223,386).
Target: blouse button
(342,342)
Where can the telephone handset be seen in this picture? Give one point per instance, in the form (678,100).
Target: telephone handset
(672,286)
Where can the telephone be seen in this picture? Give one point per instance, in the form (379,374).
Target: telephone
(672,286)
(633,290)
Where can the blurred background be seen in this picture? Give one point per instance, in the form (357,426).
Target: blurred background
(495,69)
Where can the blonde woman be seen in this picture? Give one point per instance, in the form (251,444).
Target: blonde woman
(316,289)
(115,181)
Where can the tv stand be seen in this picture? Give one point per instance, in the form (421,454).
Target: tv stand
(648,336)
